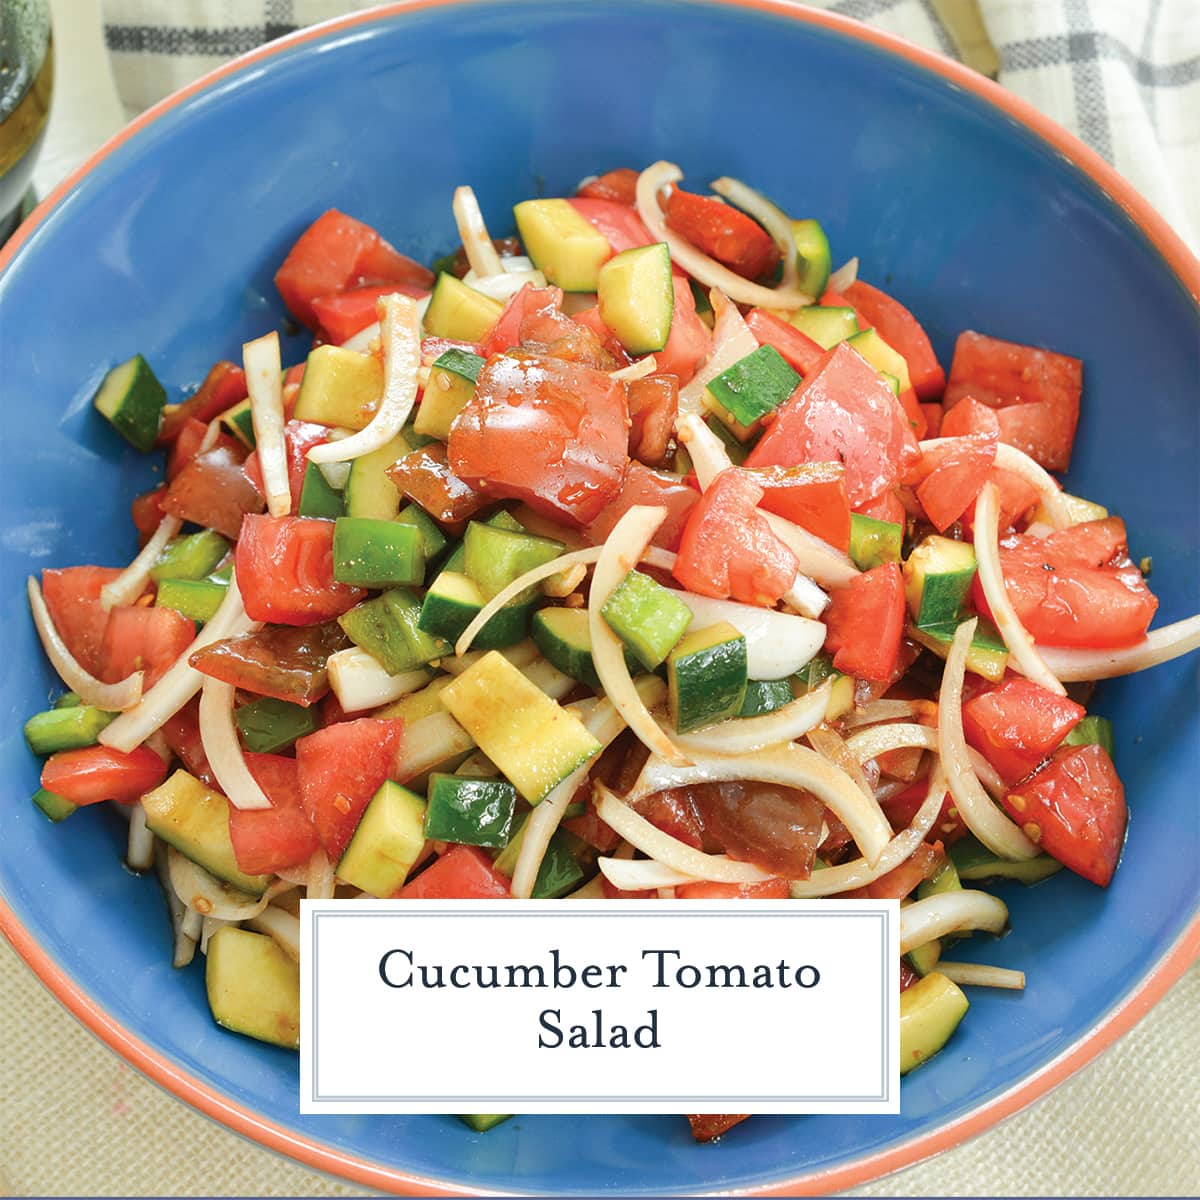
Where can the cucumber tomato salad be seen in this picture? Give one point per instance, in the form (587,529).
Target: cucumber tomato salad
(636,555)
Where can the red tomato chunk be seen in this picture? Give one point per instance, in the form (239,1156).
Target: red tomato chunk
(722,232)
(97,773)
(272,839)
(462,873)
(902,331)
(864,623)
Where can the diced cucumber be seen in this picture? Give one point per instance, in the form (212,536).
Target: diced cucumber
(734,447)
(270,725)
(873,542)
(765,696)
(706,677)
(482,1122)
(453,601)
(930,1011)
(317,498)
(433,539)
(1093,731)
(253,986)
(893,382)
(239,421)
(649,618)
(386,843)
(561,244)
(190,557)
(974,863)
(451,384)
(882,357)
(637,297)
(56,807)
(196,599)
(371,553)
(813,258)
(754,385)
(825,324)
(987,654)
(459,312)
(195,820)
(387,628)
(471,811)
(67,700)
(560,871)
(945,879)
(66,728)
(925,958)
(937,578)
(534,741)
(131,399)
(369,492)
(494,557)
(561,634)
(340,388)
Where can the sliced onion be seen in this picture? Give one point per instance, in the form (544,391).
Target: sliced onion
(844,276)
(113,697)
(831,746)
(204,893)
(743,735)
(433,740)
(978,811)
(592,890)
(641,874)
(987,774)
(139,851)
(636,370)
(504,286)
(978,975)
(401,334)
(181,681)
(219,735)
(520,655)
(619,555)
(991,576)
(886,710)
(878,739)
(282,926)
(669,851)
(476,242)
(732,341)
(321,882)
(787,766)
(264,382)
(1159,646)
(696,263)
(563,584)
(950,912)
(358,681)
(364,341)
(131,582)
(770,216)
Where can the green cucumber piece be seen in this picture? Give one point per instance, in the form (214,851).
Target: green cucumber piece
(815,672)
(253,986)
(56,807)
(765,696)
(926,957)
(66,728)
(453,601)
(377,554)
(67,700)
(734,447)
(317,498)
(482,1122)
(493,557)
(974,862)
(460,313)
(826,324)
(987,654)
(340,388)
(754,385)
(560,871)
(450,386)
(937,578)
(564,246)
(434,541)
(369,492)
(930,1011)
(387,627)
(196,599)
(882,357)
(386,843)
(637,297)
(873,542)
(813,257)
(945,879)
(270,725)
(562,635)
(649,618)
(190,557)
(1093,731)
(132,400)
(239,420)
(470,811)
(706,677)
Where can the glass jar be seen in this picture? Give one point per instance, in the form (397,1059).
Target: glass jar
(26,81)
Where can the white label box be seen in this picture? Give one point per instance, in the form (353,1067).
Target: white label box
(729,1006)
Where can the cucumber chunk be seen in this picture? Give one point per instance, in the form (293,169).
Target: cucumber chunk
(561,244)
(765,696)
(470,811)
(637,297)
(874,542)
(975,862)
(132,400)
(493,557)
(387,842)
(649,618)
(66,728)
(239,421)
(253,986)
(813,257)
(930,1011)
(706,677)
(987,654)
(482,1122)
(561,634)
(369,492)
(825,324)
(340,387)
(460,313)
(451,385)
(454,601)
(754,385)
(377,554)
(882,357)
(1093,731)
(55,807)
(937,578)
(560,871)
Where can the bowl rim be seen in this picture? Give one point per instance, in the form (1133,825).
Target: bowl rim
(312,1153)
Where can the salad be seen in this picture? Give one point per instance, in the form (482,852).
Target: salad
(639,555)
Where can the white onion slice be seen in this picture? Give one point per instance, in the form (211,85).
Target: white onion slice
(636,370)
(991,576)
(432,740)
(358,681)
(978,811)
(1159,646)
(950,912)
(219,735)
(788,766)
(618,556)
(732,341)
(884,710)
(204,893)
(769,215)
(131,582)
(641,874)
(830,745)
(401,335)
(978,975)
(113,697)
(364,340)
(669,851)
(321,881)
(264,382)
(743,735)
(139,851)
(878,739)
(696,263)
(282,926)
(477,244)
(504,286)
(181,681)
(844,276)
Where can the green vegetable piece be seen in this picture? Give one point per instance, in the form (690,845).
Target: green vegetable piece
(873,543)
(1093,731)
(454,601)
(754,385)
(825,324)
(562,635)
(67,700)
(66,728)
(937,578)
(368,491)
(386,627)
(377,554)
(196,599)
(482,1122)
(269,725)
(987,654)
(457,311)
(253,986)
(56,807)
(734,447)
(493,557)
(815,672)
(925,958)
(647,617)
(560,871)
(700,296)
(433,540)
(471,811)
(930,1011)
(317,498)
(450,386)
(706,677)
(975,862)
(239,420)
(812,253)
(132,400)
(386,843)
(765,696)
(944,880)
(636,295)
(887,361)
(191,557)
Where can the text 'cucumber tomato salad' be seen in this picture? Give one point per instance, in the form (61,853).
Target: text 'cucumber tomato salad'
(637,555)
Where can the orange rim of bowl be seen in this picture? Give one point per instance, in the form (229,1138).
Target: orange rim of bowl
(320,1156)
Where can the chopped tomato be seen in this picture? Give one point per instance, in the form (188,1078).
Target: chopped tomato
(770,889)
(223,387)
(645,486)
(340,768)
(597,833)
(141,638)
(72,596)
(187,445)
(689,343)
(146,512)
(902,331)
(842,412)
(675,813)
(590,317)
(729,550)
(812,496)
(1016,497)
(722,232)
(344,314)
(548,330)
(97,773)
(924,862)
(506,333)
(1076,587)
(462,873)
(337,253)
(432,348)
(425,477)
(550,433)
(271,839)
(960,472)
(914,412)
(1074,809)
(619,223)
(282,661)
(653,407)
(933,419)
(213,491)
(708,1126)
(299,437)
(619,185)
(1017,724)
(285,571)
(887,506)
(864,623)
(797,349)
(969,416)
(182,734)
(901,809)
(1045,431)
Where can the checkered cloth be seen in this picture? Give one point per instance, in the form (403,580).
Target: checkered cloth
(1122,74)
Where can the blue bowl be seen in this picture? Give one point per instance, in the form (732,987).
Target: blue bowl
(975,211)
